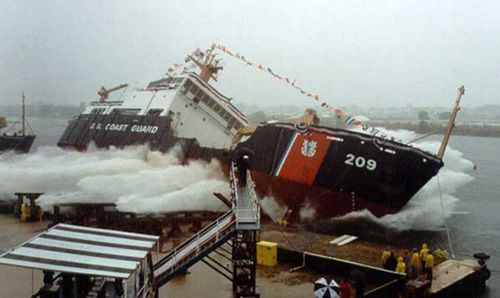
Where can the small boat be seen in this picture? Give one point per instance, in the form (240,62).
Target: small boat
(14,138)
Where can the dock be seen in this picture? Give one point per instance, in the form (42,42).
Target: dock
(302,256)
(451,278)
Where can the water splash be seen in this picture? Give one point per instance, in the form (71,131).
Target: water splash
(139,180)
(272,209)
(135,178)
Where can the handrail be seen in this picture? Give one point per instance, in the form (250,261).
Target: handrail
(188,255)
(233,181)
(254,205)
(190,239)
(178,251)
(199,243)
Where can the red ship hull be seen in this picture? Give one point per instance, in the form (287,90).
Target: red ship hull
(326,203)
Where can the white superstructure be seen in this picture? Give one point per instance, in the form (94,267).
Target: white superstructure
(195,108)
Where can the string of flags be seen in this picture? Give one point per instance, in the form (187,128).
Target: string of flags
(348,119)
(345,117)
(187,66)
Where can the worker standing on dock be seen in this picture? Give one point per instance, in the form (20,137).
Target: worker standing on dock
(414,263)
(406,260)
(345,288)
(385,255)
(429,264)
(423,254)
(401,267)
(392,262)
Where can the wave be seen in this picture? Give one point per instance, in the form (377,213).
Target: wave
(134,178)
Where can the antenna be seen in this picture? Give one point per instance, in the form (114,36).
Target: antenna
(451,123)
(24,117)
(207,62)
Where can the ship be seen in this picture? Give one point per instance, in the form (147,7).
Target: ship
(181,109)
(16,139)
(334,171)
(300,163)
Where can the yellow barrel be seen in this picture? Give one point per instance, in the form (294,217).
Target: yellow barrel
(267,253)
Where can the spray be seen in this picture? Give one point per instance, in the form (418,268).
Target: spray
(135,179)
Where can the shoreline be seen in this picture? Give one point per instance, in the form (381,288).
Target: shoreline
(424,127)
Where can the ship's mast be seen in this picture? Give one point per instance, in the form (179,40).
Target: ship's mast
(207,63)
(451,123)
(24,117)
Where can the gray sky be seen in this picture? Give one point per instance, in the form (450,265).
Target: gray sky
(368,53)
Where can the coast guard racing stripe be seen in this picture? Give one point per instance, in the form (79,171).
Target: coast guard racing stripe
(303,157)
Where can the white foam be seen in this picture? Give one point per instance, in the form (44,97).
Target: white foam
(135,178)
(272,208)
(139,180)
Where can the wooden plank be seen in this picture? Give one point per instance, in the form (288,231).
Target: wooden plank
(338,239)
(347,240)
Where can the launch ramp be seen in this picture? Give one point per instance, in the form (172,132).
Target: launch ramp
(239,224)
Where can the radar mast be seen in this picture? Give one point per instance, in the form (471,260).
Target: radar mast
(207,62)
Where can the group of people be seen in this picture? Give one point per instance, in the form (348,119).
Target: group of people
(409,264)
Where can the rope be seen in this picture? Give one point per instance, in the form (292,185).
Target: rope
(346,118)
(444,218)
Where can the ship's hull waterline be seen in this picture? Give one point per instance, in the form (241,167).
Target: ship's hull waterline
(331,171)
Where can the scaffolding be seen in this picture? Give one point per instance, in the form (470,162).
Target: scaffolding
(238,227)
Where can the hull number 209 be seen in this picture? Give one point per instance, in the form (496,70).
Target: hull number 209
(360,162)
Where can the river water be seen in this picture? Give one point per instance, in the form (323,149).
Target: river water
(474,225)
(477,229)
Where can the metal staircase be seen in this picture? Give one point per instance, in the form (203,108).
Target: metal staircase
(239,225)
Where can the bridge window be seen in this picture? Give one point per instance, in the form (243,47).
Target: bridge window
(97,111)
(217,108)
(205,99)
(125,112)
(186,87)
(231,122)
(154,112)
(238,125)
(165,83)
(210,103)
(193,89)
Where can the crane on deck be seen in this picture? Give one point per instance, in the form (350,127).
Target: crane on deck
(104,92)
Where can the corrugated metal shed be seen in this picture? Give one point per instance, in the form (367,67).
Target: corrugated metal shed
(82,250)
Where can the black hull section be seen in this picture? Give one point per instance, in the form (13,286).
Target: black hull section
(358,166)
(123,130)
(118,130)
(20,144)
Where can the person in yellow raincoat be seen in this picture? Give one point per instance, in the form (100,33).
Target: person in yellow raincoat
(414,263)
(385,255)
(401,267)
(429,264)
(423,254)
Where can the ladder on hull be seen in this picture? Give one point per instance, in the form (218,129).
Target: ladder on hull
(239,225)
